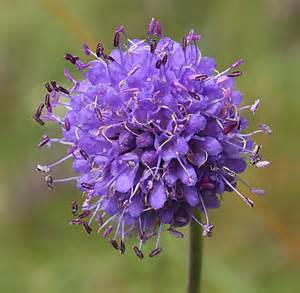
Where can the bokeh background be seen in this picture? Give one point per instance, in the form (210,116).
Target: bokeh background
(253,250)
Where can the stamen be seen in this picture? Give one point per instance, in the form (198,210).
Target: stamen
(87,185)
(164,59)
(87,227)
(158,64)
(71,58)
(237,63)
(84,214)
(74,208)
(48,103)
(262,164)
(45,139)
(235,74)
(54,85)
(48,87)
(98,113)
(75,222)
(245,199)
(66,179)
(138,252)
(122,247)
(151,27)
(114,244)
(207,227)
(255,106)
(194,95)
(49,181)
(63,90)
(99,50)
(155,252)
(86,49)
(175,233)
(39,110)
(266,128)
(158,28)
(107,231)
(153,45)
(67,124)
(106,222)
(84,154)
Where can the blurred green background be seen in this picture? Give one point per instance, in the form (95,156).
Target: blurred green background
(253,250)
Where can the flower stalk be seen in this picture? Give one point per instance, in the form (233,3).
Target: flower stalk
(195,258)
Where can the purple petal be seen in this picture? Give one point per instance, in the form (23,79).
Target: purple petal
(124,182)
(209,145)
(136,207)
(191,195)
(236,165)
(196,123)
(158,196)
(187,175)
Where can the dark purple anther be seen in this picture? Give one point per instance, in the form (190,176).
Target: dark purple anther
(39,110)
(67,124)
(164,59)
(98,113)
(48,87)
(201,77)
(184,43)
(45,139)
(116,39)
(120,29)
(87,185)
(138,252)
(114,244)
(151,26)
(87,227)
(71,58)
(235,74)
(155,252)
(63,90)
(99,50)
(84,154)
(158,64)
(84,215)
(49,181)
(54,85)
(74,208)
(122,247)
(38,114)
(48,103)
(194,95)
(38,120)
(75,222)
(153,45)
(108,58)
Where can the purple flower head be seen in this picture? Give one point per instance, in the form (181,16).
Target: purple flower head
(155,132)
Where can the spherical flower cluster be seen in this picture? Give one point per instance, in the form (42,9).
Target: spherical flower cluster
(155,133)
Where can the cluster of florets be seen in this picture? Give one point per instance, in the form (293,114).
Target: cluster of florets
(155,133)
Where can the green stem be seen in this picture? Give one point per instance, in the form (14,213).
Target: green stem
(195,258)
